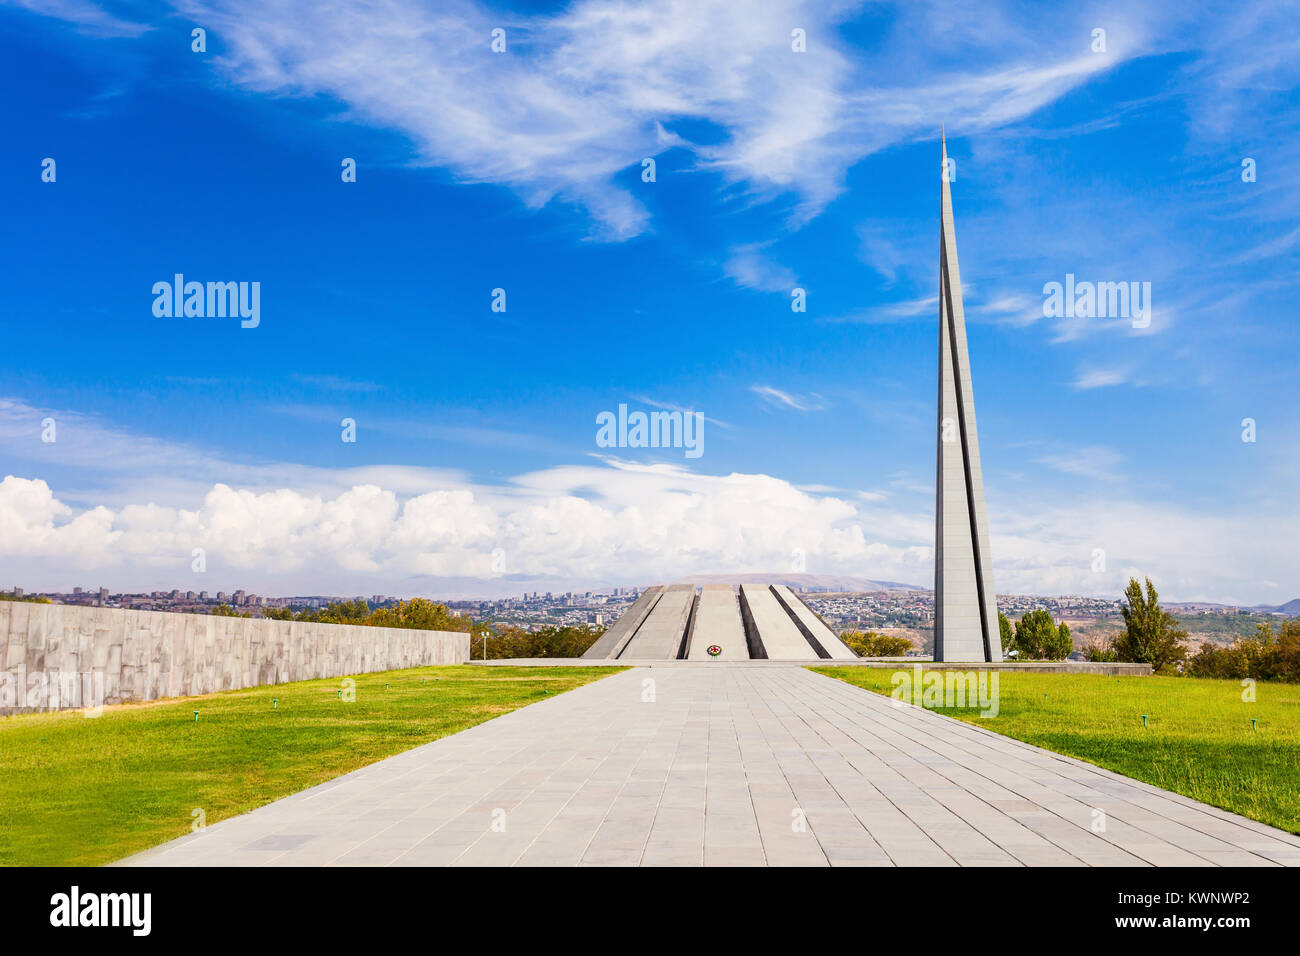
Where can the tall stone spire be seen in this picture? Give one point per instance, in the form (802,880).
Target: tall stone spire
(965,606)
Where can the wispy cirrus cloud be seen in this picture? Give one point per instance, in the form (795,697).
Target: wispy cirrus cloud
(750,267)
(1101,378)
(336,383)
(671,407)
(901,311)
(85,15)
(776,397)
(582,95)
(1093,461)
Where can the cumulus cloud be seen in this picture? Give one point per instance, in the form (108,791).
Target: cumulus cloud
(624,523)
(583,522)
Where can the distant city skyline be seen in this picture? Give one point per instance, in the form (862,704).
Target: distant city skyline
(1147,174)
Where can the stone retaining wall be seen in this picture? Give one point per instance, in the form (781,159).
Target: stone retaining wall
(59,656)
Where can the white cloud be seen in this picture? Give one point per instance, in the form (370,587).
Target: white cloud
(748,266)
(336,383)
(87,16)
(1013,308)
(122,467)
(581,96)
(774,396)
(583,522)
(142,505)
(1236,556)
(616,522)
(1094,461)
(1101,378)
(892,312)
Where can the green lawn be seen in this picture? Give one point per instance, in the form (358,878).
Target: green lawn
(79,791)
(1198,742)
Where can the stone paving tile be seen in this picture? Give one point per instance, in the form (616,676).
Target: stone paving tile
(730,765)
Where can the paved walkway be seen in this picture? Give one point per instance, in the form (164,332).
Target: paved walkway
(730,764)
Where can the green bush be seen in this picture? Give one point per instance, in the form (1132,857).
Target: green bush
(225,610)
(1039,638)
(1100,651)
(871,644)
(1265,656)
(552,641)
(25,599)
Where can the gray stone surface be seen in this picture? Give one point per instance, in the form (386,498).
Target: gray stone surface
(811,625)
(147,655)
(884,663)
(611,643)
(717,621)
(781,639)
(660,636)
(966,611)
(730,764)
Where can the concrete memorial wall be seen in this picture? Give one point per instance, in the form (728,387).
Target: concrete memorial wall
(60,656)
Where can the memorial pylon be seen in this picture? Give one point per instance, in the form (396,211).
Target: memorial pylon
(965,606)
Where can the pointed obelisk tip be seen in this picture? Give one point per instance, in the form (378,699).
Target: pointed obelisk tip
(943,140)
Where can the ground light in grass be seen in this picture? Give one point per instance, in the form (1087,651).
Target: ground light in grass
(1199,738)
(84,792)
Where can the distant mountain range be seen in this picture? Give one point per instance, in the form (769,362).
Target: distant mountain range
(848,583)
(1290,608)
(806,582)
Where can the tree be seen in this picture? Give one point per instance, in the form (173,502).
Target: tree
(33,599)
(1262,656)
(1287,664)
(1007,632)
(340,612)
(549,641)
(871,644)
(1038,637)
(1151,635)
(418,613)
(1060,645)
(1033,633)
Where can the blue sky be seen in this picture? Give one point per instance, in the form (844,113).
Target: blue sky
(522,170)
